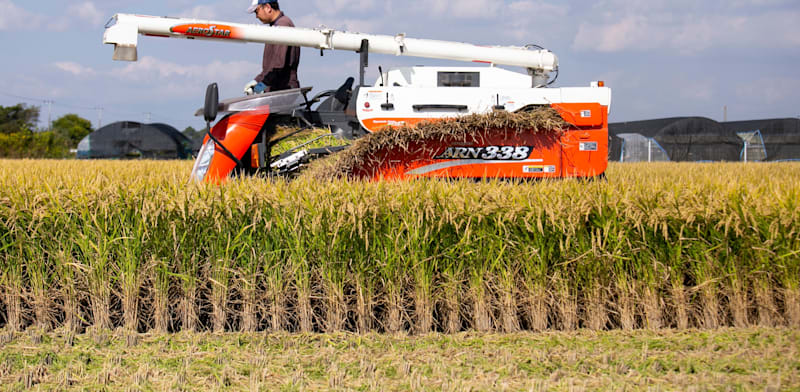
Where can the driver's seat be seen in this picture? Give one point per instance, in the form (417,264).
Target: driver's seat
(340,98)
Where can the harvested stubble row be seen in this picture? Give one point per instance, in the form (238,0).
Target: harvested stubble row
(108,244)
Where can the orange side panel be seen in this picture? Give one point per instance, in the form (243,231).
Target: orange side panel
(237,133)
(590,114)
(585,152)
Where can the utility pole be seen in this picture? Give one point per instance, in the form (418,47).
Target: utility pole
(49,114)
(99,116)
(725,113)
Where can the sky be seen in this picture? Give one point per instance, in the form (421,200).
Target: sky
(661,58)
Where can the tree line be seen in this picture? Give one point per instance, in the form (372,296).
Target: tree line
(20,136)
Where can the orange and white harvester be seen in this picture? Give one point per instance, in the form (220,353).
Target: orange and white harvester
(241,141)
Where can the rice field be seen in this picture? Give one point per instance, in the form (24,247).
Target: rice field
(104,245)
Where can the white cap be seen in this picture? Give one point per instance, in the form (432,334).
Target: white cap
(254,5)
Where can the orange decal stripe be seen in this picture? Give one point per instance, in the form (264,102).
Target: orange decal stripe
(204,30)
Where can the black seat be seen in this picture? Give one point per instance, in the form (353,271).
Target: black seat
(343,93)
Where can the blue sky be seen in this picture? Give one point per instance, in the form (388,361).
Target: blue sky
(661,58)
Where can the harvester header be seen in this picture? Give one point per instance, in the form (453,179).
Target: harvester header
(123,29)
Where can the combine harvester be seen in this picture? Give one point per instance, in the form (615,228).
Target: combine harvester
(241,142)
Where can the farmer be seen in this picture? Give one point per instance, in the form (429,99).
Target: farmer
(279,67)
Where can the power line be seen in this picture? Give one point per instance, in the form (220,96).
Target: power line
(50,103)
(23,98)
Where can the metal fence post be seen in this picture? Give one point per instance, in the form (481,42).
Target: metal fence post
(745,151)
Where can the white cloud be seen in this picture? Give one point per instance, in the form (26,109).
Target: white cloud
(348,6)
(689,32)
(456,9)
(86,12)
(535,21)
(164,78)
(84,15)
(531,9)
(220,11)
(151,69)
(700,90)
(769,90)
(759,3)
(352,25)
(201,12)
(74,68)
(13,17)
(622,34)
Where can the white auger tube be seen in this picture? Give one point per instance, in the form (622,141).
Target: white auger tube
(123,30)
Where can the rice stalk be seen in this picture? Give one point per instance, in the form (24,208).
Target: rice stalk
(130,260)
(738,302)
(421,255)
(301,271)
(538,248)
(706,276)
(247,270)
(184,230)
(765,300)
(69,277)
(791,299)
(385,248)
(626,304)
(95,243)
(596,313)
(13,292)
(566,303)
(505,276)
(160,285)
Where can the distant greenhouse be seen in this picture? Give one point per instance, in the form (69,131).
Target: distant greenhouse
(132,140)
(698,139)
(777,139)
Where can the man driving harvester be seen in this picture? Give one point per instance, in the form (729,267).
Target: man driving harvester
(279,67)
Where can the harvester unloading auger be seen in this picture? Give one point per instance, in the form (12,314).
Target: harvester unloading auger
(515,132)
